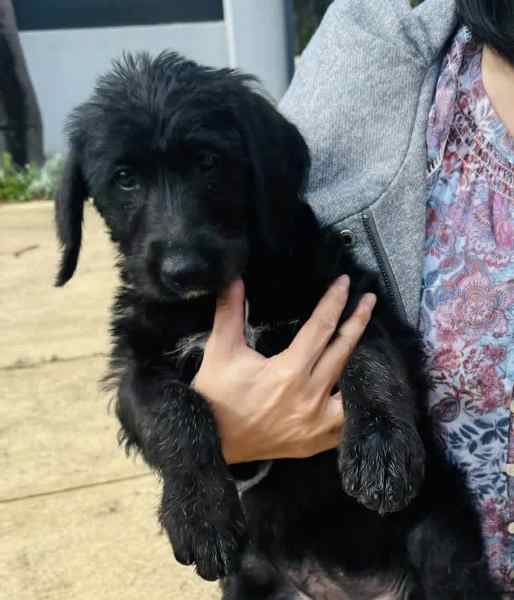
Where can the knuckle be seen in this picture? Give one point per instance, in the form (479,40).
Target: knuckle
(312,408)
(308,402)
(345,346)
(362,318)
(287,369)
(364,313)
(337,292)
(287,373)
(327,323)
(352,331)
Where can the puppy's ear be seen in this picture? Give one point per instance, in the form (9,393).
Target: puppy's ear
(69,208)
(280,164)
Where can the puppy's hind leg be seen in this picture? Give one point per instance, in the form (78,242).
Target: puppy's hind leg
(446,550)
(258,579)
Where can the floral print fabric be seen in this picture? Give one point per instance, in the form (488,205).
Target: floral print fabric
(467,310)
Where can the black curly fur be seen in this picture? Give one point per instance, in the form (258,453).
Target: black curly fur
(199,180)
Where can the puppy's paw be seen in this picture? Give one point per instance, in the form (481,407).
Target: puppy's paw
(215,552)
(212,536)
(382,465)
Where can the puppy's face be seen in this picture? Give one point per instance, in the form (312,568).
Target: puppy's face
(174,190)
(184,173)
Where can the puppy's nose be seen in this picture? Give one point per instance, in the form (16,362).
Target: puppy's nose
(183,272)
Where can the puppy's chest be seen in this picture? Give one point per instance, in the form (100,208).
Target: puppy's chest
(267,339)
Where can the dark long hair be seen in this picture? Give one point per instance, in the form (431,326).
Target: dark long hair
(492,22)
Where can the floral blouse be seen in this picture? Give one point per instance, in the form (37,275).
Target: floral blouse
(467,310)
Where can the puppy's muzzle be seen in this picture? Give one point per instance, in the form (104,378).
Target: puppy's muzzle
(186,275)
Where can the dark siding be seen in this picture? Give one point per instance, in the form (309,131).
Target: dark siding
(71,14)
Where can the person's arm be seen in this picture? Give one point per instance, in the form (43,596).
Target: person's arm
(279,407)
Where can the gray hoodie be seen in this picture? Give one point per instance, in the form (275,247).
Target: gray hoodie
(361,96)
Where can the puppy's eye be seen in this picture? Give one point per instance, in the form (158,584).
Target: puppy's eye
(126,179)
(208,161)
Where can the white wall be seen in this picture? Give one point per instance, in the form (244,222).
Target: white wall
(258,42)
(64,64)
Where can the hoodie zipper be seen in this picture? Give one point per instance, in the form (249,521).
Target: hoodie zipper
(388,277)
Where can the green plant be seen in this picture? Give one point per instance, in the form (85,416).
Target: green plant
(19,184)
(308,15)
(47,178)
(15,181)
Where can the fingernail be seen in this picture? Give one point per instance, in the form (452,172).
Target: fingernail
(369,301)
(343,282)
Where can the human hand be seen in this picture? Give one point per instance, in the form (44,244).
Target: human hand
(279,407)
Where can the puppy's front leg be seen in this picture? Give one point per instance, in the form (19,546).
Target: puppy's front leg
(382,456)
(200,510)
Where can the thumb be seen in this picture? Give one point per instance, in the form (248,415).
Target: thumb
(229,319)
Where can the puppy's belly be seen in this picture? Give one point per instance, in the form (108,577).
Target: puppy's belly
(309,579)
(312,582)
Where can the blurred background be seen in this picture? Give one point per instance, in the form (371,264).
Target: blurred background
(77,518)
(52,64)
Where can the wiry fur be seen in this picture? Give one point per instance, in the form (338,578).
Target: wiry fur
(210,189)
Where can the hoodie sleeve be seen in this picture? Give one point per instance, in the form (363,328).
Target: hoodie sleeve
(355,95)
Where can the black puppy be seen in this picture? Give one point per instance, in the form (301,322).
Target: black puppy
(199,180)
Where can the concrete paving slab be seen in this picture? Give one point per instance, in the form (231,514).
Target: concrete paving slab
(38,321)
(77,519)
(55,430)
(101,543)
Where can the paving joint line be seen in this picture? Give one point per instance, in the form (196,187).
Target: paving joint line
(20,365)
(75,488)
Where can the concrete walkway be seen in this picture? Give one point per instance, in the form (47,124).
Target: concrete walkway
(77,518)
